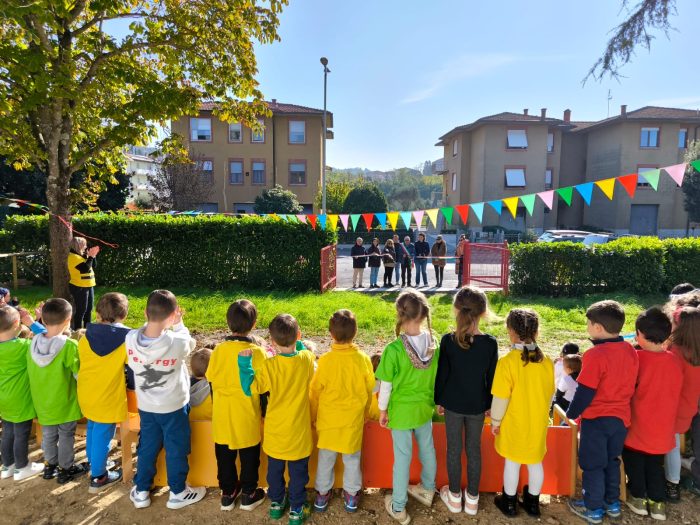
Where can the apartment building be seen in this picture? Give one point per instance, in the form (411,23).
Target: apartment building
(511,154)
(242,163)
(139,165)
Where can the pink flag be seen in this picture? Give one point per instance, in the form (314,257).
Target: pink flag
(676,172)
(547,197)
(344,221)
(418,215)
(301,219)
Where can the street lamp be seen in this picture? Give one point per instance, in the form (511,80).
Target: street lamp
(324,62)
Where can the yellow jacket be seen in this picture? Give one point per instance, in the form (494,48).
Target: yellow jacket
(341,396)
(78,278)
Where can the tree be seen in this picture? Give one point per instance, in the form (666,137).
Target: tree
(427,168)
(114,196)
(180,184)
(365,198)
(336,193)
(277,200)
(691,183)
(72,95)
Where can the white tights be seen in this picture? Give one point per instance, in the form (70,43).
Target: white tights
(511,475)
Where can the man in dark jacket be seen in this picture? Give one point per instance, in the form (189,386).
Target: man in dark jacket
(406,253)
(359,261)
(422,253)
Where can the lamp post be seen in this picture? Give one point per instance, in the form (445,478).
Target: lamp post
(324,62)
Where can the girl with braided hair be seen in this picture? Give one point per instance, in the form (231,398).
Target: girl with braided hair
(522,391)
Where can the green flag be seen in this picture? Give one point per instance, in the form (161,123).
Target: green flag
(696,164)
(652,177)
(529,202)
(447,213)
(566,194)
(355,218)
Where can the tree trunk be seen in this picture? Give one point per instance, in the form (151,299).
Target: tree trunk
(58,198)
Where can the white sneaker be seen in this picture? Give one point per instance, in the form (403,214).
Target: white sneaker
(140,498)
(31,470)
(187,497)
(422,494)
(7,472)
(402,517)
(471,505)
(687,463)
(452,502)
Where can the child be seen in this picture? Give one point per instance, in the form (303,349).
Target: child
(567,349)
(522,390)
(407,371)
(200,390)
(157,357)
(341,395)
(567,385)
(654,408)
(15,399)
(287,441)
(605,388)
(681,289)
(52,365)
(102,385)
(236,417)
(465,373)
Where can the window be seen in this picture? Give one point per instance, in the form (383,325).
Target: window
(683,138)
(517,139)
(297,173)
(649,138)
(259,172)
(297,132)
(235,132)
(258,137)
(454,182)
(548,179)
(207,168)
(455,147)
(515,177)
(550,142)
(641,182)
(235,168)
(200,129)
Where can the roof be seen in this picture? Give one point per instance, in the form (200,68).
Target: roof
(651,113)
(278,108)
(502,118)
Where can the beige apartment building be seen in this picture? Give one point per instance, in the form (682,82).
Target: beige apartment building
(242,163)
(513,154)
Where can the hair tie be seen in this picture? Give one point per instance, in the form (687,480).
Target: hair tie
(530,347)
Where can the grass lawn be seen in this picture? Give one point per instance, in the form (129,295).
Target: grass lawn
(562,319)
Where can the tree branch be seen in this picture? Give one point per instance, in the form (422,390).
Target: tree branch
(91,152)
(40,33)
(101,18)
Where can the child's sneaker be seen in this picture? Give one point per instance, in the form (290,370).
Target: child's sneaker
(687,463)
(228,501)
(452,502)
(673,492)
(322,500)
(252,501)
(140,498)
(471,505)
(402,516)
(637,505)
(689,484)
(7,472)
(277,508)
(49,471)
(422,494)
(187,497)
(31,470)
(105,481)
(297,517)
(578,507)
(613,510)
(69,474)
(657,510)
(350,501)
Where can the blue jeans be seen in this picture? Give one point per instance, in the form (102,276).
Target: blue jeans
(172,432)
(397,273)
(421,269)
(99,437)
(672,462)
(602,441)
(298,478)
(373,275)
(403,452)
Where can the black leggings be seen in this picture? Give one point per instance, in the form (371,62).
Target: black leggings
(406,269)
(439,273)
(388,272)
(226,468)
(83,298)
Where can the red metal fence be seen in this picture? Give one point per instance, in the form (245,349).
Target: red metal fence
(328,268)
(486,265)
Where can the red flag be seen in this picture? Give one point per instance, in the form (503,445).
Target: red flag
(629,182)
(463,210)
(312,220)
(368,217)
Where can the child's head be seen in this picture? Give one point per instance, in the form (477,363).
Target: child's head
(686,333)
(680,301)
(113,307)
(161,306)
(375,358)
(681,289)
(343,326)
(653,327)
(78,245)
(470,306)
(569,349)
(199,362)
(605,319)
(9,321)
(241,317)
(56,313)
(572,363)
(523,325)
(4,296)
(284,331)
(411,306)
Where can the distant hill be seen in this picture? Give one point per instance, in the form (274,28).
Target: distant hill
(377,175)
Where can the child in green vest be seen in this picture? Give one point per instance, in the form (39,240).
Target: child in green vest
(53,365)
(407,373)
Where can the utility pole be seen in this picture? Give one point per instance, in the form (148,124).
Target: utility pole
(324,62)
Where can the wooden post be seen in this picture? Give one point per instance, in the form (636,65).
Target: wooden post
(15,278)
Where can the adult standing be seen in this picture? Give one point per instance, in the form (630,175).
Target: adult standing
(397,267)
(459,252)
(439,251)
(389,257)
(359,260)
(406,253)
(422,254)
(81,262)
(375,261)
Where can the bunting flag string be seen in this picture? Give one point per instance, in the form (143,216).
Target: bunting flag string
(529,202)
(629,182)
(607,186)
(652,177)
(497,205)
(512,205)
(676,172)
(393,219)
(322,221)
(312,220)
(344,220)
(418,215)
(478,210)
(447,213)
(369,218)
(354,218)
(433,216)
(381,217)
(333,220)
(586,191)
(566,194)
(406,218)
(547,197)
(463,211)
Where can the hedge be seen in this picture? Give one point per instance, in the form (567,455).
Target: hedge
(205,251)
(642,265)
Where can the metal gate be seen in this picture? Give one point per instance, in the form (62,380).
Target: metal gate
(486,265)
(328,268)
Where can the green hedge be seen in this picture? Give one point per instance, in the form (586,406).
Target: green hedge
(207,251)
(636,265)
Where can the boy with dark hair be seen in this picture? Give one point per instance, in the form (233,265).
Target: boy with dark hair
(52,365)
(200,389)
(287,440)
(157,356)
(654,408)
(681,289)
(605,387)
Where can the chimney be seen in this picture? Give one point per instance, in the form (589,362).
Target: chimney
(525,111)
(274,101)
(623,110)
(567,115)
(543,113)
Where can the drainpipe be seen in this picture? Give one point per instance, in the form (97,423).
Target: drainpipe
(274,153)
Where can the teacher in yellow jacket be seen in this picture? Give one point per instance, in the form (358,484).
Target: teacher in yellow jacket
(81,262)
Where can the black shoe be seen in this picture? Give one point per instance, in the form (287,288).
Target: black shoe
(49,471)
(228,501)
(104,481)
(66,475)
(673,492)
(507,504)
(253,500)
(530,503)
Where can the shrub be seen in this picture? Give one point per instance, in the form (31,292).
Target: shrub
(682,261)
(634,265)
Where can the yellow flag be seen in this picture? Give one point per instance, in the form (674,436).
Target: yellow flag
(393,218)
(432,215)
(333,221)
(607,186)
(512,205)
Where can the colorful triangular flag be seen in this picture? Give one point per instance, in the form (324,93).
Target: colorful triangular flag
(512,205)
(333,220)
(406,218)
(322,221)
(629,182)
(369,218)
(547,197)
(497,205)
(463,211)
(393,219)
(418,215)
(312,220)
(344,221)
(607,186)
(354,218)
(529,202)
(301,218)
(432,215)
(447,213)
(586,191)
(478,210)
(283,216)
(566,193)
(696,165)
(676,172)
(381,217)
(652,177)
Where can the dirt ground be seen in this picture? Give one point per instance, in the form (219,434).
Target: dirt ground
(39,502)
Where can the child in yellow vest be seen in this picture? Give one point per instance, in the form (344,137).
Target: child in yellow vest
(236,417)
(200,390)
(102,384)
(341,395)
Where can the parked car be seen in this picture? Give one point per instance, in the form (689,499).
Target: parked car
(598,238)
(563,235)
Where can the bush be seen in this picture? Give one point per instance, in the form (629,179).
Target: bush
(210,252)
(634,265)
(682,261)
